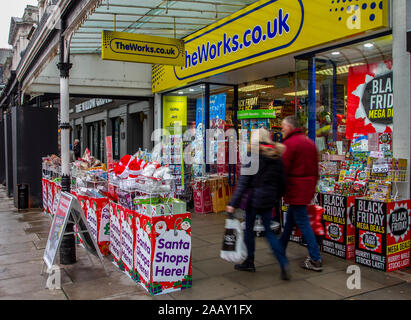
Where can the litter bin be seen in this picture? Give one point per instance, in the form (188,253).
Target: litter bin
(23,196)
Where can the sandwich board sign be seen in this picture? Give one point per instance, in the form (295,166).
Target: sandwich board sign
(68,210)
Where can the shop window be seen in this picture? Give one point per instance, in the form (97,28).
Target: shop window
(351,93)
(186,107)
(264,103)
(221,119)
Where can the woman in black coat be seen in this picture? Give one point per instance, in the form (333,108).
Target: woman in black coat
(264,185)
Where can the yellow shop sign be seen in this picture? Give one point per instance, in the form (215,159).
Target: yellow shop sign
(266,30)
(123,46)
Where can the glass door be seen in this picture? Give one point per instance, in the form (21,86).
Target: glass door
(316,100)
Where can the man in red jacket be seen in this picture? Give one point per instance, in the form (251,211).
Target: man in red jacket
(301,168)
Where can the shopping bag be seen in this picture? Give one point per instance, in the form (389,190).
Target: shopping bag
(315,214)
(234,249)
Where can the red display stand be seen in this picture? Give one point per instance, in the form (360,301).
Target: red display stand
(155,251)
(382,234)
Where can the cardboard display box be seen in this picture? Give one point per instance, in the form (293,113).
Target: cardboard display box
(339,220)
(202,197)
(162,254)
(382,234)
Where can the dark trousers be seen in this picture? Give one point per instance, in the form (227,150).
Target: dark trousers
(249,237)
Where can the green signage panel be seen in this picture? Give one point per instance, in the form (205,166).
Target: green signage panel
(256,114)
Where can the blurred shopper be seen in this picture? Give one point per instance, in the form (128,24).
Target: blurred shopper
(77,149)
(263,189)
(72,157)
(301,168)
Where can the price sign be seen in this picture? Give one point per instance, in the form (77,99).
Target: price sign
(380,168)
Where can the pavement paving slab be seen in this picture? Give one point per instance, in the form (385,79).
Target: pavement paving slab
(293,290)
(214,288)
(38,295)
(395,292)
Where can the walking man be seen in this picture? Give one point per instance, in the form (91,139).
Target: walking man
(301,168)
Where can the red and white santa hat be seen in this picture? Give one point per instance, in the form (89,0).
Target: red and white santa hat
(134,167)
(124,161)
(122,169)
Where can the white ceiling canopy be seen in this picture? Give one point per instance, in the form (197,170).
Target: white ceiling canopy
(173,19)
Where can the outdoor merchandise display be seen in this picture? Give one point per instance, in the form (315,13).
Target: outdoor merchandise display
(134,215)
(359,192)
(153,250)
(150,229)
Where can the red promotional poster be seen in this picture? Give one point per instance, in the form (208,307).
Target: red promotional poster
(369,99)
(162,255)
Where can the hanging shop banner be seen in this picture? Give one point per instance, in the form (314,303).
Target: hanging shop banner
(256,114)
(174,110)
(265,30)
(131,47)
(370,99)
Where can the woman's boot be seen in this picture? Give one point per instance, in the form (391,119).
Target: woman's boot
(247,265)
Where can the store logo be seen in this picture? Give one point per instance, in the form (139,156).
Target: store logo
(334,232)
(385,138)
(370,241)
(399,222)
